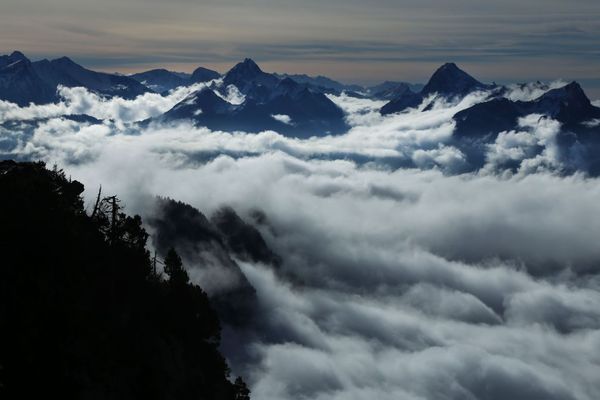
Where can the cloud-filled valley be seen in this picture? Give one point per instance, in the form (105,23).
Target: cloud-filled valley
(405,273)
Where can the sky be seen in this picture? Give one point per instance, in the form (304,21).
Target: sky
(351,40)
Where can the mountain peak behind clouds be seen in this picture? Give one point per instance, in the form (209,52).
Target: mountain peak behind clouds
(246,69)
(17,55)
(449,80)
(14,57)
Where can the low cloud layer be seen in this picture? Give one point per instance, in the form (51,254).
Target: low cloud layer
(395,283)
(419,137)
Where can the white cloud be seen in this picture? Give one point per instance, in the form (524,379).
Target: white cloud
(282,118)
(593,123)
(231,94)
(449,158)
(522,147)
(395,282)
(531,91)
(79,100)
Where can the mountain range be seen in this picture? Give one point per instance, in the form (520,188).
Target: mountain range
(161,80)
(23,81)
(246,98)
(283,105)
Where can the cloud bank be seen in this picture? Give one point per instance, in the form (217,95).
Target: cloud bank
(401,278)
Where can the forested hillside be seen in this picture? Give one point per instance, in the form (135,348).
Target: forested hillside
(84,314)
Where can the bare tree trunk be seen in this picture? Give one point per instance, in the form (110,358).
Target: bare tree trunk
(95,211)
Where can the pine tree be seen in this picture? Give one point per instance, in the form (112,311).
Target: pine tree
(174,268)
(241,389)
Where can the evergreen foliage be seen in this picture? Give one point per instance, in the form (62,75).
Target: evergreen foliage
(82,312)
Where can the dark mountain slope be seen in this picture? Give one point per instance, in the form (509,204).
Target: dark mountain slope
(451,81)
(64,71)
(202,74)
(448,81)
(388,89)
(24,82)
(578,139)
(402,98)
(247,77)
(20,84)
(568,105)
(160,80)
(284,106)
(327,84)
(210,247)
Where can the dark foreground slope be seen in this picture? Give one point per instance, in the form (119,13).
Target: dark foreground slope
(83,314)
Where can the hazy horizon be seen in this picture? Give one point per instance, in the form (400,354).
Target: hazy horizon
(348,41)
(592,87)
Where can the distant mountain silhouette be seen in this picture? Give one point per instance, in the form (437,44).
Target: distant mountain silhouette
(249,99)
(283,105)
(250,79)
(20,83)
(401,98)
(322,82)
(447,81)
(389,90)
(568,105)
(24,82)
(161,80)
(578,140)
(202,74)
(451,81)
(14,57)
(64,71)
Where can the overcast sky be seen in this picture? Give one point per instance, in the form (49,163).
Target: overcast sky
(351,40)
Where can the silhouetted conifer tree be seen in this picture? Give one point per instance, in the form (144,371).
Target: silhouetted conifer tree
(174,268)
(242,391)
(82,315)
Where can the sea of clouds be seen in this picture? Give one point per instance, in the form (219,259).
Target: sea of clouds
(396,282)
